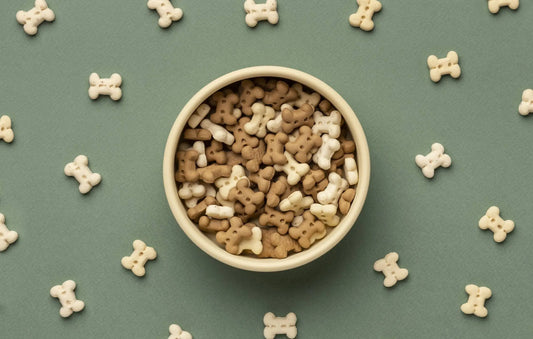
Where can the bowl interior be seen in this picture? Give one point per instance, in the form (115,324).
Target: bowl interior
(335,234)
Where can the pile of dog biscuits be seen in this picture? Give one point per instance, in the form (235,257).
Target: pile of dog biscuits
(266,167)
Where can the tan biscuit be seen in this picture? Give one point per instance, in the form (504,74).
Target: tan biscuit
(326,107)
(225,103)
(314,176)
(272,217)
(303,145)
(197,211)
(249,93)
(245,217)
(308,231)
(234,235)
(235,159)
(263,178)
(215,152)
(209,225)
(276,245)
(186,166)
(212,172)
(346,200)
(196,134)
(292,119)
(280,95)
(254,156)
(275,149)
(276,190)
(347,147)
(242,139)
(268,248)
(242,193)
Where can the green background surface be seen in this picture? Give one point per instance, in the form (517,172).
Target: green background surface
(383,75)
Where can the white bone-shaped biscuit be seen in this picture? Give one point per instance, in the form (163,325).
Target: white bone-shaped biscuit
(167,12)
(435,159)
(295,202)
(199,147)
(259,12)
(363,17)
(80,170)
(330,124)
(219,212)
(6,133)
(67,298)
(496,224)
(225,185)
(448,65)
(190,190)
(280,325)
(294,170)
(304,98)
(219,133)
(332,192)
(136,261)
(209,191)
(7,237)
(261,116)
(199,114)
(105,86)
(526,106)
(476,300)
(495,5)
(389,266)
(326,213)
(177,333)
(350,171)
(253,243)
(35,16)
(274,125)
(323,156)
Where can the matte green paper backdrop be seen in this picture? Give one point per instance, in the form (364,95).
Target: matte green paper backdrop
(383,75)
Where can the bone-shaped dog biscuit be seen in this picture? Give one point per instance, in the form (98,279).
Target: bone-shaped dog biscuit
(219,133)
(389,266)
(219,212)
(295,202)
(190,190)
(6,133)
(330,124)
(199,114)
(496,224)
(136,261)
(199,147)
(280,325)
(526,106)
(261,116)
(476,300)
(105,86)
(324,154)
(294,170)
(35,16)
(448,65)
(304,98)
(350,171)
(495,5)
(363,17)
(167,12)
(79,169)
(259,12)
(7,237)
(435,159)
(326,213)
(67,298)
(252,243)
(225,185)
(336,185)
(177,333)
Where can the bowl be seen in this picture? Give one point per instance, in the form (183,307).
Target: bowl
(334,235)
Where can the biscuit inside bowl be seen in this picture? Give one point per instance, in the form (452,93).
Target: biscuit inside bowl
(289,245)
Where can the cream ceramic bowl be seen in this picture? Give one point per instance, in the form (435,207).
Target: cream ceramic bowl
(334,235)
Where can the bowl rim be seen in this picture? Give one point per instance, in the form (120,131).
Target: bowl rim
(334,235)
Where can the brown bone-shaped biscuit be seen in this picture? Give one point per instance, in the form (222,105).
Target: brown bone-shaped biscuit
(215,152)
(347,147)
(272,217)
(225,103)
(305,142)
(280,95)
(263,178)
(197,211)
(276,190)
(234,235)
(212,172)
(235,159)
(186,166)
(249,93)
(326,107)
(275,149)
(276,245)
(196,134)
(209,225)
(292,119)
(254,156)
(346,200)
(308,231)
(242,139)
(246,196)
(312,178)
